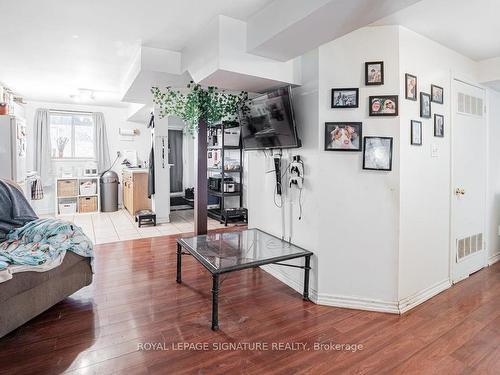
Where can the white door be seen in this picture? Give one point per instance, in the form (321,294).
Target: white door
(469,140)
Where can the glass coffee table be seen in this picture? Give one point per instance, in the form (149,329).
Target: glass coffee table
(227,252)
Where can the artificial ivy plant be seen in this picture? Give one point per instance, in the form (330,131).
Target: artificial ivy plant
(208,104)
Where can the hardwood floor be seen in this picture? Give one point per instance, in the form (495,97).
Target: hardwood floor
(135,300)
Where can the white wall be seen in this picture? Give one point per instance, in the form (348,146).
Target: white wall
(261,181)
(358,228)
(188,157)
(493,239)
(489,70)
(234,57)
(381,239)
(115,118)
(425,180)
(350,216)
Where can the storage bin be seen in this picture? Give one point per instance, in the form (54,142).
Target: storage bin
(87,204)
(231,164)
(88,187)
(232,137)
(231,187)
(67,206)
(67,188)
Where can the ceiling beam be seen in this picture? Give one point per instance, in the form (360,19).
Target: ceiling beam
(285,29)
(489,70)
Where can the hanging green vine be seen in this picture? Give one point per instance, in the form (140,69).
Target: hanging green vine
(209,104)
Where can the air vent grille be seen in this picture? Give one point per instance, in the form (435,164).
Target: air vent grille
(470,105)
(469,245)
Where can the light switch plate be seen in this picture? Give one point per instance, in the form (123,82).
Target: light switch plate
(434,150)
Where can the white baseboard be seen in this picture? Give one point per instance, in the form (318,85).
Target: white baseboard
(277,272)
(493,259)
(360,303)
(332,300)
(416,299)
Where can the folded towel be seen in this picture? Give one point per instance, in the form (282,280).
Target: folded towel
(36,189)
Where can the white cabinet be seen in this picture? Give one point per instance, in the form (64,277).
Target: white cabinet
(77,195)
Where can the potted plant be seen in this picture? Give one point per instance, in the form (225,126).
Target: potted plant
(199,107)
(61,145)
(207,105)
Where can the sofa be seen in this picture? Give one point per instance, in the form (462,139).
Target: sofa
(28,294)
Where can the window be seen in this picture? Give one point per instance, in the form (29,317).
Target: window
(72,135)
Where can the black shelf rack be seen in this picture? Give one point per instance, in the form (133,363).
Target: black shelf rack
(216,213)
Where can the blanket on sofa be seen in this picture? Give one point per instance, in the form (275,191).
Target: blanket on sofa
(41,243)
(15,210)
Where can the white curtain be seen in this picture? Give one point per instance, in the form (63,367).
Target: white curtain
(102,147)
(42,160)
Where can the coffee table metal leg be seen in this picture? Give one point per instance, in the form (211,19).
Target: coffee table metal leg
(215,302)
(179,264)
(307,267)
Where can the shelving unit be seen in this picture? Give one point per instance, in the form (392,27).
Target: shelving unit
(216,213)
(68,190)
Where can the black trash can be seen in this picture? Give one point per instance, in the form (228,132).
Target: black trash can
(109,191)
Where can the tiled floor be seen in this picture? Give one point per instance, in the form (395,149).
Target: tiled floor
(106,227)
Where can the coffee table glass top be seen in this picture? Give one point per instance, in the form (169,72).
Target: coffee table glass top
(222,252)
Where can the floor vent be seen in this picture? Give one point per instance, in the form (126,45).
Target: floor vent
(469,245)
(470,105)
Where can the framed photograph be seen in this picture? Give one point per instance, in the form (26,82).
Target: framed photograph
(374,73)
(377,153)
(425,105)
(343,136)
(437,95)
(410,87)
(438,125)
(345,98)
(383,105)
(416,132)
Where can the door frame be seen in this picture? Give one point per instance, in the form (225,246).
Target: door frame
(454,76)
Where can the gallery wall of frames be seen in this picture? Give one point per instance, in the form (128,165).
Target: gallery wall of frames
(377,150)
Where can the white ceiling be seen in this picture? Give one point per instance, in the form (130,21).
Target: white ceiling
(470,27)
(51,48)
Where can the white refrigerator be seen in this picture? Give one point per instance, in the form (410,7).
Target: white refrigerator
(13,149)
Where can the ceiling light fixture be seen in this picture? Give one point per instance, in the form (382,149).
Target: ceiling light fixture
(83,95)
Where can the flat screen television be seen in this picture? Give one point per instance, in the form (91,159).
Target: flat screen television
(267,121)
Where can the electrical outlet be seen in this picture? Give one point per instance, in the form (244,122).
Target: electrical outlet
(434,150)
(296,169)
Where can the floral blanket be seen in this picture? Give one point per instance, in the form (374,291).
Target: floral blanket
(41,241)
